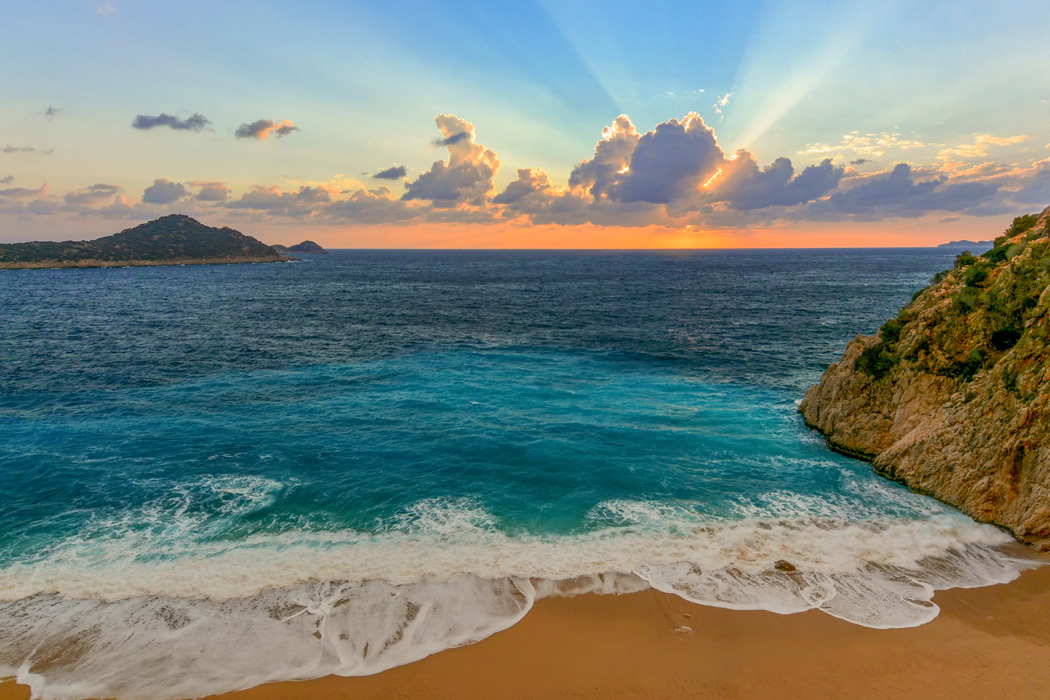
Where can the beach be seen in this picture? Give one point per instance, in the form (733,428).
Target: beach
(986,642)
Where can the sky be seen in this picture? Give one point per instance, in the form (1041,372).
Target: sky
(534,124)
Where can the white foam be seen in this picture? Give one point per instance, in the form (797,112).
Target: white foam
(147,612)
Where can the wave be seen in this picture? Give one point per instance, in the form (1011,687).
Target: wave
(121,616)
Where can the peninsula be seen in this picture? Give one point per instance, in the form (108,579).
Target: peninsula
(952,397)
(170,240)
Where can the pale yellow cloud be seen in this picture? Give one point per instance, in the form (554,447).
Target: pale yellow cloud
(864,144)
(979,147)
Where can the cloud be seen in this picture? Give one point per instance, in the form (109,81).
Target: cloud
(271,199)
(25,149)
(7,180)
(262,128)
(52,112)
(394,173)
(979,147)
(212,191)
(529,182)
(746,187)
(899,193)
(674,175)
(163,191)
(196,122)
(89,196)
(721,103)
(668,163)
(451,140)
(611,156)
(465,177)
(874,144)
(24,193)
(105,9)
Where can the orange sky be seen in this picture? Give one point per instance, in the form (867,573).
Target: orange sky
(816,235)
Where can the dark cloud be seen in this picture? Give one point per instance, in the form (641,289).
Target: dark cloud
(859,161)
(212,191)
(467,174)
(898,193)
(452,139)
(193,123)
(91,195)
(611,155)
(163,191)
(25,149)
(746,187)
(669,163)
(528,182)
(52,112)
(271,199)
(20,193)
(395,173)
(262,128)
(371,207)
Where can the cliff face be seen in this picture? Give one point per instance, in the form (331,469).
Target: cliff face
(952,397)
(170,239)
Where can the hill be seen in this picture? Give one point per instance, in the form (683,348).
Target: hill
(173,239)
(952,397)
(972,246)
(306,247)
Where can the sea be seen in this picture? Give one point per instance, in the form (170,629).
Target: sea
(219,476)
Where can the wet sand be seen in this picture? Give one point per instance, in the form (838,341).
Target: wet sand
(989,642)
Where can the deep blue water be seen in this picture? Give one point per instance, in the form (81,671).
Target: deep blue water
(418,419)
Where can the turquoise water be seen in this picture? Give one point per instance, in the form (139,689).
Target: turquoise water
(350,463)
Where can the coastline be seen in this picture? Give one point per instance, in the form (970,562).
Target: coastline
(86,264)
(992,640)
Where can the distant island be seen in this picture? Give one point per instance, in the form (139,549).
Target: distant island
(972,246)
(306,247)
(176,239)
(952,397)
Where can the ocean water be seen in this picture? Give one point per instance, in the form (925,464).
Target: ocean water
(219,476)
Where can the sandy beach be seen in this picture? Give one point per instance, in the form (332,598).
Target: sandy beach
(987,642)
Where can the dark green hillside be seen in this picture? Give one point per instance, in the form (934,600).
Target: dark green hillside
(170,239)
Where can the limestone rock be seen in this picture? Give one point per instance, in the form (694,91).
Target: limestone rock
(952,397)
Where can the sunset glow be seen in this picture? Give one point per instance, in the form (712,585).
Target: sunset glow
(442,134)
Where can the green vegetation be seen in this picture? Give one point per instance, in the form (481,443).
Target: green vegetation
(1020,225)
(876,361)
(977,273)
(993,296)
(169,238)
(968,368)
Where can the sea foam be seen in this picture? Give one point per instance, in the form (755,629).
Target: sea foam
(135,616)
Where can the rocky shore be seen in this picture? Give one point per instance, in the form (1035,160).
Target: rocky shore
(952,397)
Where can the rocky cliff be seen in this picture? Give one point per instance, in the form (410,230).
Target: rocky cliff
(952,397)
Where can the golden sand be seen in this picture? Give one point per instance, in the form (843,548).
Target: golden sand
(990,643)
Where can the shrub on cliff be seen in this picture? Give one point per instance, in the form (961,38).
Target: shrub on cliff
(876,361)
(891,330)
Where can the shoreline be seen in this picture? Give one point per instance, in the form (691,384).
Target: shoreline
(990,640)
(90,264)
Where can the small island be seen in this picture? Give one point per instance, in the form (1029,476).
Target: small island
(304,248)
(952,397)
(176,239)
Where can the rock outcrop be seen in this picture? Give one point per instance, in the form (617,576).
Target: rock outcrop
(307,247)
(952,397)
